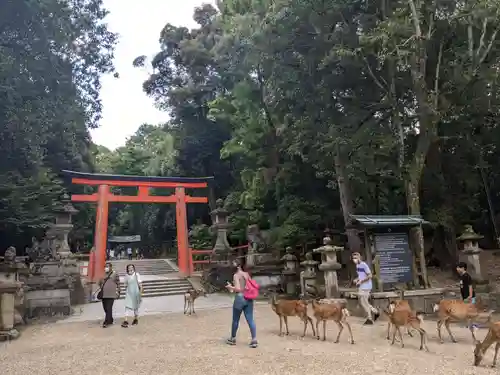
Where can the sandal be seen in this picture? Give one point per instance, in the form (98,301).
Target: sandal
(253,344)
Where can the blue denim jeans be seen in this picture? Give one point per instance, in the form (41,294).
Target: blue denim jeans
(246,306)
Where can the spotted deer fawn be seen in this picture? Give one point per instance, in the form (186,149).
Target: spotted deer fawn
(336,312)
(190,297)
(400,305)
(405,318)
(286,308)
(493,336)
(457,310)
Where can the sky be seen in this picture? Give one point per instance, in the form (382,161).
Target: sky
(138,23)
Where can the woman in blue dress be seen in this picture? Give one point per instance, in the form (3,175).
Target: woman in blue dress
(133,295)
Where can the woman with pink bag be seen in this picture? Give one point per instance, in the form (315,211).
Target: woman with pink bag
(247,290)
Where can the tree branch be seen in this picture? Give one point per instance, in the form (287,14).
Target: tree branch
(372,74)
(470,42)
(483,35)
(415,19)
(488,49)
(438,71)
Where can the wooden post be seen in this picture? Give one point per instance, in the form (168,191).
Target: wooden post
(368,250)
(101,232)
(182,231)
(423,265)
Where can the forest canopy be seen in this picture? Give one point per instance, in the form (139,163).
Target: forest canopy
(304,112)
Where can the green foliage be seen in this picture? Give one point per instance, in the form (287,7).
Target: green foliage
(52,54)
(304,111)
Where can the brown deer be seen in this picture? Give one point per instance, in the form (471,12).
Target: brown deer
(405,318)
(190,297)
(493,336)
(285,308)
(400,305)
(457,310)
(336,312)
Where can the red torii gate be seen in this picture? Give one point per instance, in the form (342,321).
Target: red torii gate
(104,196)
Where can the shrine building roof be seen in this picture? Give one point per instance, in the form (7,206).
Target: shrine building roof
(385,220)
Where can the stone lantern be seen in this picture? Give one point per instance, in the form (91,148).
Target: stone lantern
(470,248)
(220,227)
(330,266)
(308,276)
(57,234)
(290,271)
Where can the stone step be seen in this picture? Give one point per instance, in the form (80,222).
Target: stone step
(156,271)
(166,292)
(144,266)
(161,287)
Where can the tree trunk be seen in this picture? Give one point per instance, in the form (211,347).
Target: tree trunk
(416,233)
(346,201)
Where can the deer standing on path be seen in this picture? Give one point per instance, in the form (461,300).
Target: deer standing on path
(190,297)
(493,336)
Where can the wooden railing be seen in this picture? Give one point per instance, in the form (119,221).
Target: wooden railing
(198,265)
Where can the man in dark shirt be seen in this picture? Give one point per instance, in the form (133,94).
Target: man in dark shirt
(466,288)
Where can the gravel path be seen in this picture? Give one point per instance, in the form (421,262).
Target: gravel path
(178,344)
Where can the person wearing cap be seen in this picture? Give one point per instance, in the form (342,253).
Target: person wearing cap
(364,284)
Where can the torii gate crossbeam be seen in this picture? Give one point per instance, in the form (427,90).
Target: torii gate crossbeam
(104,196)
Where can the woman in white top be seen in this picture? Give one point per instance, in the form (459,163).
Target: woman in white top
(133,296)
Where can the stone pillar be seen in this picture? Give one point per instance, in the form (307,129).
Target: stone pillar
(8,292)
(330,266)
(308,276)
(290,271)
(470,248)
(58,232)
(220,227)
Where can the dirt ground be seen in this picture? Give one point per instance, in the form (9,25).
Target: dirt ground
(178,344)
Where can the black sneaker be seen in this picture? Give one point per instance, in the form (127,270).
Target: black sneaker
(231,341)
(105,325)
(125,324)
(376,316)
(135,322)
(368,322)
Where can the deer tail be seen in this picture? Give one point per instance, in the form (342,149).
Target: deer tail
(436,307)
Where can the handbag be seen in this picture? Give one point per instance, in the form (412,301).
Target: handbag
(100,292)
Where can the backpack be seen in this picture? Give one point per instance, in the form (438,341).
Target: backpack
(251,290)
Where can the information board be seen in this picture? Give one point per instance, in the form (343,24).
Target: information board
(395,258)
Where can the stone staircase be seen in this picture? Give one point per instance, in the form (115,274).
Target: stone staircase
(159,277)
(165,287)
(145,267)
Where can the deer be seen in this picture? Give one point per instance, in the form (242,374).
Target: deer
(493,336)
(337,312)
(286,308)
(189,297)
(400,305)
(404,318)
(458,310)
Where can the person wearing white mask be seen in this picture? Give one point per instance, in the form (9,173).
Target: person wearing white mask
(133,297)
(364,284)
(109,290)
